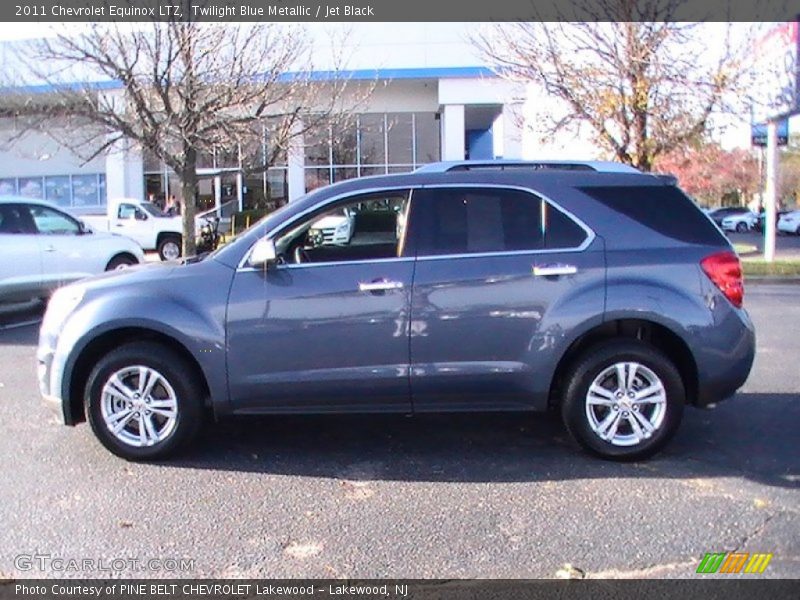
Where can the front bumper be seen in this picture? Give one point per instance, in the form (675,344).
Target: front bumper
(48,388)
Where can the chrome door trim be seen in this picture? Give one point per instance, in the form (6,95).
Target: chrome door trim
(590,234)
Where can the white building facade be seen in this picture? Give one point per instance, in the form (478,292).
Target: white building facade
(431,99)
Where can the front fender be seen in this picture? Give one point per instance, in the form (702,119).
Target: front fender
(196,324)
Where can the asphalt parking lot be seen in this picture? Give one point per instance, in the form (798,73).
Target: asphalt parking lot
(445,496)
(786,246)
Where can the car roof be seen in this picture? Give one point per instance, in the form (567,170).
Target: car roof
(598,166)
(24,200)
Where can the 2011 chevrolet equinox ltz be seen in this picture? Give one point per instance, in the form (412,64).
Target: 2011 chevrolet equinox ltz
(590,288)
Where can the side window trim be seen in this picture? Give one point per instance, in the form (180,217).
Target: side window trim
(329,204)
(590,234)
(413,255)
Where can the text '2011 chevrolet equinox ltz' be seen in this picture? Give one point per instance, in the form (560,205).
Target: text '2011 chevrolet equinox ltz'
(590,288)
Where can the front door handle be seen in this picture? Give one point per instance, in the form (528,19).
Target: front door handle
(50,248)
(554,270)
(380,286)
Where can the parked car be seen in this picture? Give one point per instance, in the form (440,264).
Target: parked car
(504,287)
(718,214)
(42,247)
(336,229)
(740,222)
(790,222)
(143,222)
(762,219)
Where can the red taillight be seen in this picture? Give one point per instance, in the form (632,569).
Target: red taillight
(725,270)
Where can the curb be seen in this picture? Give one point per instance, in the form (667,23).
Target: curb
(768,279)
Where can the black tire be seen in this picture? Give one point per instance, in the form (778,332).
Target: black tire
(166,243)
(120,261)
(741,227)
(589,366)
(181,377)
(797,231)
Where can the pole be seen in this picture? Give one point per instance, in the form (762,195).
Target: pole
(771,191)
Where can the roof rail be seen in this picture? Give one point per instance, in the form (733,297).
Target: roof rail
(538,165)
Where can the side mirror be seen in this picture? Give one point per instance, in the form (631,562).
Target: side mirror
(263,254)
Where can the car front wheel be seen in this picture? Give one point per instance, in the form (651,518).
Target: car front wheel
(741,227)
(624,400)
(143,402)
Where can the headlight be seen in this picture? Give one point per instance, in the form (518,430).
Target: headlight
(342,227)
(61,305)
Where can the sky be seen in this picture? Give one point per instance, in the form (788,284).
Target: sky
(389,45)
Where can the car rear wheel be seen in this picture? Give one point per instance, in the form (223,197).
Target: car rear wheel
(143,402)
(169,248)
(624,400)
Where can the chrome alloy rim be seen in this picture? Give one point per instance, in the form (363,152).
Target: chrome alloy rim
(626,404)
(171,250)
(139,406)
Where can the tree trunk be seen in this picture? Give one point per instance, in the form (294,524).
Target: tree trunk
(189,202)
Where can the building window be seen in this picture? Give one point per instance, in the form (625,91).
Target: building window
(8,187)
(57,190)
(67,191)
(375,144)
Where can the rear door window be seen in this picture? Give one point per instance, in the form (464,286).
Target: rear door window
(664,209)
(479,220)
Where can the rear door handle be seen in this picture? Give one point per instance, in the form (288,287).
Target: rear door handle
(50,248)
(380,286)
(554,270)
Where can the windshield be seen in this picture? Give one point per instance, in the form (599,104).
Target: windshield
(152,209)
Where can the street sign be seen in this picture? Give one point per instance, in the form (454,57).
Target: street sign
(758,134)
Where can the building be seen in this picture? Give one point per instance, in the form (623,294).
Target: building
(432,100)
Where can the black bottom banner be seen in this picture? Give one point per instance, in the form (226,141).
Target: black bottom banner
(398,589)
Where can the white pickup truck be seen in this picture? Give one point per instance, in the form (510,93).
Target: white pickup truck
(143,222)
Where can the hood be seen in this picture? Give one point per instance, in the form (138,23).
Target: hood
(329,222)
(133,276)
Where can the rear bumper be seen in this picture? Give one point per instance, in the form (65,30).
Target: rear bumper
(725,363)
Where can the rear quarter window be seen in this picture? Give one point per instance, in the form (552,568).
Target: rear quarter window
(664,209)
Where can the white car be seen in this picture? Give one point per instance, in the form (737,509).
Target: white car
(43,248)
(790,222)
(336,229)
(740,222)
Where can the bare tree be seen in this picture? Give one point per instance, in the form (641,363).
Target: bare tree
(643,84)
(183,89)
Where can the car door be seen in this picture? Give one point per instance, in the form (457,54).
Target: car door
(67,254)
(327,330)
(133,222)
(501,277)
(21,263)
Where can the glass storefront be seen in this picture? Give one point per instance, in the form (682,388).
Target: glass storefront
(67,191)
(374,144)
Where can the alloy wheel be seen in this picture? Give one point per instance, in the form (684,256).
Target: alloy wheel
(626,404)
(139,406)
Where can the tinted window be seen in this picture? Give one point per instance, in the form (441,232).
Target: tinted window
(468,220)
(664,209)
(16,218)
